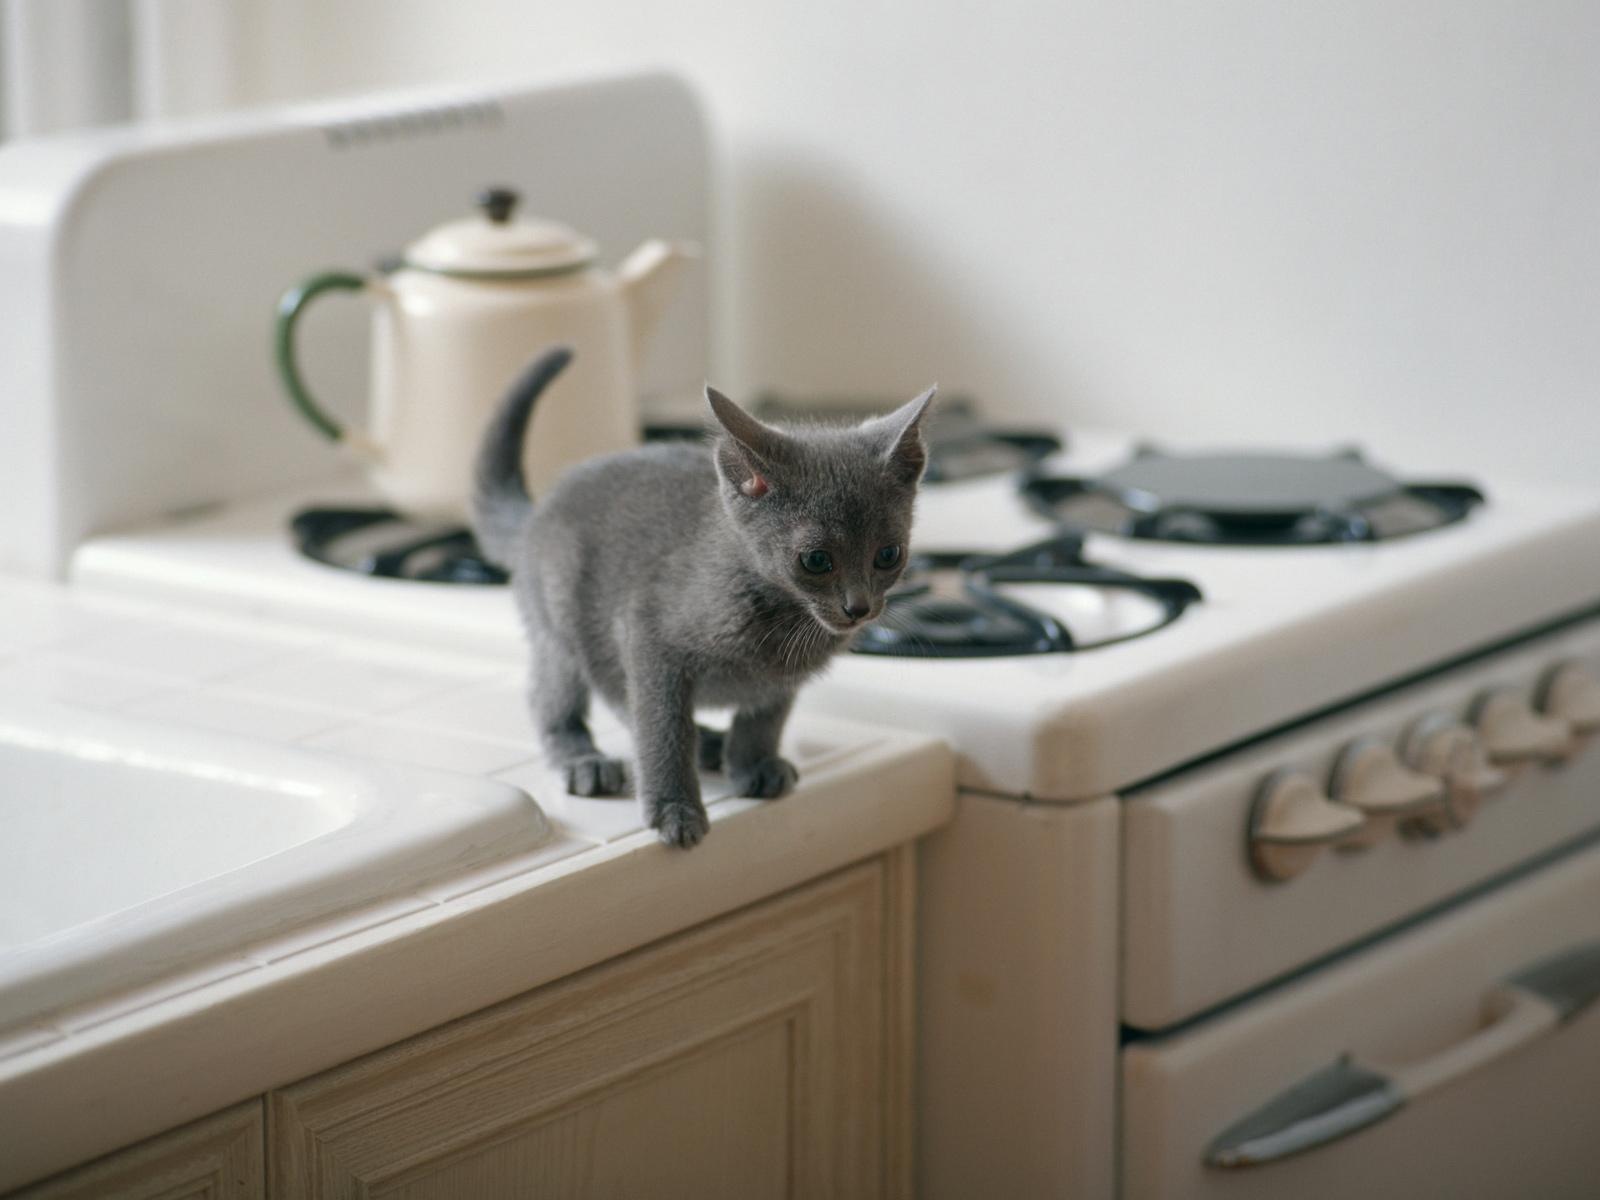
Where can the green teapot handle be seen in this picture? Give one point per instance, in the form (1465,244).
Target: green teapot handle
(290,306)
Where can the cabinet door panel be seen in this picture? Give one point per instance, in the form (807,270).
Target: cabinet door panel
(758,1055)
(714,1123)
(217,1158)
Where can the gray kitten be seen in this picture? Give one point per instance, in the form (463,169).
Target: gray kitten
(679,575)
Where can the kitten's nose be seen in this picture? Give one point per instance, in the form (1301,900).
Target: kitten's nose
(856,609)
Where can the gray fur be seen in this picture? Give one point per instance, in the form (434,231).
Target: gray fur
(500,502)
(666,578)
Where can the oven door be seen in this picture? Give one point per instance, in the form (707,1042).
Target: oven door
(1460,1058)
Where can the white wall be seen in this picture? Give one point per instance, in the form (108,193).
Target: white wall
(1352,220)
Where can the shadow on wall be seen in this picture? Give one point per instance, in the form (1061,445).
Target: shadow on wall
(829,294)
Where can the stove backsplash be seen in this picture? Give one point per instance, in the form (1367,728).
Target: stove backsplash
(139,270)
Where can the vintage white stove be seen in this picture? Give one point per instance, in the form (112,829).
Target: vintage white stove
(1285,882)
(1328,811)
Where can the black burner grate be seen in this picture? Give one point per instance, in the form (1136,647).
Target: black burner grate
(923,619)
(1249,500)
(978,620)
(382,543)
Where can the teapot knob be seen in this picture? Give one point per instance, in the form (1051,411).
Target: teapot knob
(497,203)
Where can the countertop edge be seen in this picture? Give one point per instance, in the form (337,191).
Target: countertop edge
(174,1062)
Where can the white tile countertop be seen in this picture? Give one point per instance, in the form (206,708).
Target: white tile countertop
(84,1080)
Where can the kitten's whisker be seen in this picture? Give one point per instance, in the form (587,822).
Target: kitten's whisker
(766,636)
(899,622)
(806,641)
(801,641)
(790,629)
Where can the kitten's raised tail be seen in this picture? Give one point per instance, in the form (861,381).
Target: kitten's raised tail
(500,500)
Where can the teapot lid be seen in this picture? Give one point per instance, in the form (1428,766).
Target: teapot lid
(494,245)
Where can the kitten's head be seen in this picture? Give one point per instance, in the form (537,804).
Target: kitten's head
(824,512)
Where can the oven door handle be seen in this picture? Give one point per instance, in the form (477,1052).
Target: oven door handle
(1346,1096)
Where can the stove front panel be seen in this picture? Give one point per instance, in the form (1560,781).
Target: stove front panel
(1203,922)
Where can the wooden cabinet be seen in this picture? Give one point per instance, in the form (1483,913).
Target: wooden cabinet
(216,1158)
(763,1054)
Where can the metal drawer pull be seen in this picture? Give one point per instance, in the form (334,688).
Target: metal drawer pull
(1346,1096)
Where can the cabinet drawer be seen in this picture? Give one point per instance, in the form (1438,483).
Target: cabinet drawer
(764,1054)
(1458,1083)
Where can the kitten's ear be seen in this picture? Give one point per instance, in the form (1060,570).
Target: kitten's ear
(902,430)
(746,455)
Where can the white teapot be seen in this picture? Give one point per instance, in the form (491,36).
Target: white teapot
(471,305)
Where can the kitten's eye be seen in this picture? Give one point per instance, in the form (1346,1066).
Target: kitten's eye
(886,557)
(818,562)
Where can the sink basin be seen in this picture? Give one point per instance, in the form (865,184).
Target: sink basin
(131,850)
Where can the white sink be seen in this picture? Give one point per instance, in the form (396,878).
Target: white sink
(131,850)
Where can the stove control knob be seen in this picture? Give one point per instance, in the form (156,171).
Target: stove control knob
(1370,777)
(1571,693)
(1291,822)
(1514,734)
(1441,746)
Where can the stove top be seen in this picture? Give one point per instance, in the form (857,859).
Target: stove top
(1281,632)
(950,604)
(1249,499)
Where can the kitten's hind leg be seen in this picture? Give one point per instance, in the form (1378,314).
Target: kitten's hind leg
(559,698)
(754,764)
(711,744)
(597,775)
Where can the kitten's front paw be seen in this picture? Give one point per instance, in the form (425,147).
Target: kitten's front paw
(680,823)
(597,775)
(767,779)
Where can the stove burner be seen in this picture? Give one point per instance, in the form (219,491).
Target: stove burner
(948,606)
(382,543)
(1249,500)
(968,606)
(960,445)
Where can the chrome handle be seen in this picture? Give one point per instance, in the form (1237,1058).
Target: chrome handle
(1346,1096)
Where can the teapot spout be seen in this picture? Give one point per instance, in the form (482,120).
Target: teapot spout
(648,278)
